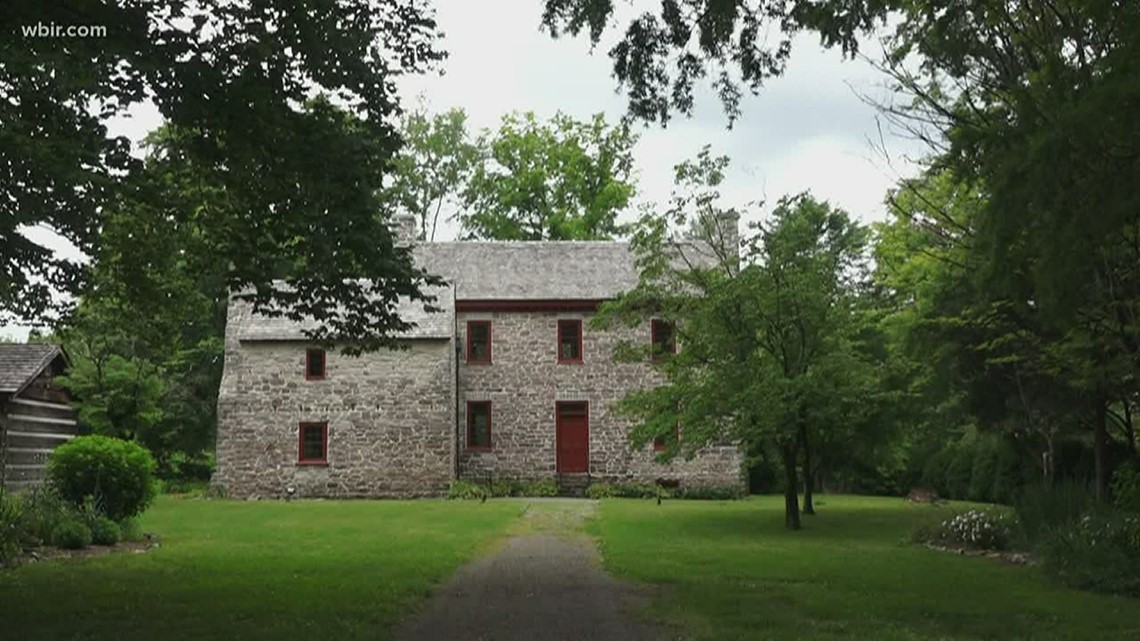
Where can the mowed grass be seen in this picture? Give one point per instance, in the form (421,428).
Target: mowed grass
(729,570)
(255,570)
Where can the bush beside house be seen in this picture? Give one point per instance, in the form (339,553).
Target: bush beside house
(95,486)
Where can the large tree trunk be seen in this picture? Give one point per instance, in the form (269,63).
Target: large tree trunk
(809,475)
(1100,449)
(791,491)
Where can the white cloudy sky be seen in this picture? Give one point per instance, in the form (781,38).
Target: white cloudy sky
(808,130)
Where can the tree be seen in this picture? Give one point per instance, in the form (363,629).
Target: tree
(432,168)
(300,176)
(662,55)
(562,180)
(757,334)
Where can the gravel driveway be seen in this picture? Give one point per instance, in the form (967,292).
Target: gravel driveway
(544,583)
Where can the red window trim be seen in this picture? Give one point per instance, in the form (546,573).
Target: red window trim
(565,321)
(301,460)
(324,364)
(655,328)
(490,342)
(490,437)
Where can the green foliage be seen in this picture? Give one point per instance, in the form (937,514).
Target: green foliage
(711,493)
(11,523)
(466,490)
(973,529)
(104,531)
(130,530)
(71,533)
(120,397)
(660,57)
(562,180)
(1126,488)
(626,491)
(42,510)
(1100,552)
(432,168)
(545,487)
(118,474)
(276,157)
(504,488)
(1042,510)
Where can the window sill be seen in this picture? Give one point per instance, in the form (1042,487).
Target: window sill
(571,362)
(478,362)
(312,463)
(316,378)
(470,448)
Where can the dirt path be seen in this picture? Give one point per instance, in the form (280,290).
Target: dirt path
(544,583)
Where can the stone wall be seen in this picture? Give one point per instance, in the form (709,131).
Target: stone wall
(524,381)
(390,416)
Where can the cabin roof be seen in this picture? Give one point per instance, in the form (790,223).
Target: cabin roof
(21,363)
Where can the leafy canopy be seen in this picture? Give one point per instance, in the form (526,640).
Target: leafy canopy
(297,177)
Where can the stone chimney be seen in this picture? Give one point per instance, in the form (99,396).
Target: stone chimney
(404,229)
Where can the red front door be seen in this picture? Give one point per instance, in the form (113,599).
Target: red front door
(573,432)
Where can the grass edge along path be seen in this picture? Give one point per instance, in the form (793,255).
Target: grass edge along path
(257,570)
(729,570)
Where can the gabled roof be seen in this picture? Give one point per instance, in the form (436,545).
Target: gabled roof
(20,364)
(537,270)
(433,325)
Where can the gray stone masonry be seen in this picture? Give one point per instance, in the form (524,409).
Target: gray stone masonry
(525,380)
(390,420)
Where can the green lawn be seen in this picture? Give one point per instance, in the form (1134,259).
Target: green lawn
(730,571)
(255,570)
(351,569)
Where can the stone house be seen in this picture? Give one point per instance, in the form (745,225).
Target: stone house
(507,381)
(35,413)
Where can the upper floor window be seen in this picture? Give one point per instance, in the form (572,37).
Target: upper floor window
(664,339)
(314,444)
(479,425)
(314,364)
(570,341)
(478,341)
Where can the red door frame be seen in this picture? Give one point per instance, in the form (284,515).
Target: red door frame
(558,405)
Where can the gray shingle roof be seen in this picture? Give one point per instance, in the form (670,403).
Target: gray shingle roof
(499,270)
(20,363)
(538,270)
(429,325)
(565,270)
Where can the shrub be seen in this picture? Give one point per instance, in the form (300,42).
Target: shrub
(545,487)
(1101,552)
(71,534)
(974,529)
(41,511)
(1043,510)
(130,530)
(11,524)
(712,493)
(104,531)
(504,488)
(960,471)
(466,490)
(1126,488)
(601,491)
(120,474)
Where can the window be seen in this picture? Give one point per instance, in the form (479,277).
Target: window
(659,442)
(478,425)
(664,339)
(314,448)
(570,341)
(314,364)
(478,341)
